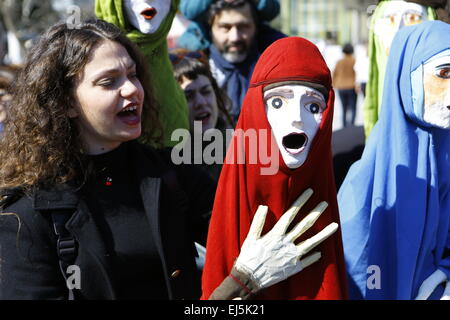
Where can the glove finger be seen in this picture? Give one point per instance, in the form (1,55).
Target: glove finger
(309,260)
(309,244)
(430,284)
(258,223)
(282,224)
(446,295)
(307,222)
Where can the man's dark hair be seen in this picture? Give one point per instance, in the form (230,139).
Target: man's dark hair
(218,6)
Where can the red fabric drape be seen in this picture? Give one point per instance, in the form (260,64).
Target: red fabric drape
(242,187)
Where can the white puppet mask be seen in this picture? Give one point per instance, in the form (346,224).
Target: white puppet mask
(398,14)
(294,112)
(146,15)
(436,84)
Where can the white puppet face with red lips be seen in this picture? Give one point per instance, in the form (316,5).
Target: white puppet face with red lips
(146,15)
(294,113)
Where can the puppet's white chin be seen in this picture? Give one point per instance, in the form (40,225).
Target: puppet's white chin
(147,27)
(294,161)
(438,115)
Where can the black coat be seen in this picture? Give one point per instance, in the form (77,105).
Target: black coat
(29,266)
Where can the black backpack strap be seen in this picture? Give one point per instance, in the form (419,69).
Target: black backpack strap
(66,244)
(9,196)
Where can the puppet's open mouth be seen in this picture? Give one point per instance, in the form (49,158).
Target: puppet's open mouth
(149,13)
(295,142)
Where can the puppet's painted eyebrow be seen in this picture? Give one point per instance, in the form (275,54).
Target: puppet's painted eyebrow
(413,11)
(314,94)
(286,93)
(408,11)
(445,65)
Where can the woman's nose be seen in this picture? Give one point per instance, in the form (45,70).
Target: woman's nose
(129,88)
(200,100)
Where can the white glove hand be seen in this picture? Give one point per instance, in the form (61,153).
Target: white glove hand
(274,257)
(431,283)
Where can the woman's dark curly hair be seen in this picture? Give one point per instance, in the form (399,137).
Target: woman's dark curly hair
(41,145)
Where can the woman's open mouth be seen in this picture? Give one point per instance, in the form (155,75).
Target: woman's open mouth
(203,116)
(295,142)
(130,115)
(149,13)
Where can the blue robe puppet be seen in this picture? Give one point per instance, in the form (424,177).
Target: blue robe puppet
(395,202)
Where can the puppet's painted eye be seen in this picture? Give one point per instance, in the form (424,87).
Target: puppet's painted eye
(443,73)
(313,107)
(277,103)
(411,19)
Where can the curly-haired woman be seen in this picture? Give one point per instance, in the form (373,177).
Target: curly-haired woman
(69,146)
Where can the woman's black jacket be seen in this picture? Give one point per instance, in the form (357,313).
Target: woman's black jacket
(29,265)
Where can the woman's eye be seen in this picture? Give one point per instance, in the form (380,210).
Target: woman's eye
(443,73)
(106,82)
(276,103)
(189,95)
(313,107)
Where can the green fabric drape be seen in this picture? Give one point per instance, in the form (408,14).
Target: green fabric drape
(377,68)
(170,97)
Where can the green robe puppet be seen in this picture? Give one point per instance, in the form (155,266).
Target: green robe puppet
(388,17)
(168,94)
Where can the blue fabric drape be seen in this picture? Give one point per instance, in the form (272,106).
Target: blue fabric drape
(394,202)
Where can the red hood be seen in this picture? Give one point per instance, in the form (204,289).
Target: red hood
(242,188)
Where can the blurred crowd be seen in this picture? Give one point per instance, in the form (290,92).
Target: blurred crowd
(229,68)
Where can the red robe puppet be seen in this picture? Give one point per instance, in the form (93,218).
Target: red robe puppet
(243,187)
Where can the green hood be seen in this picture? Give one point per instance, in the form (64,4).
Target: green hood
(170,97)
(377,68)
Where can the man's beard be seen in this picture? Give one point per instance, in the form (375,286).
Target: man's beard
(235,56)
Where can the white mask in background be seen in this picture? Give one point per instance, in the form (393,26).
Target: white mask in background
(436,86)
(146,15)
(294,113)
(398,14)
